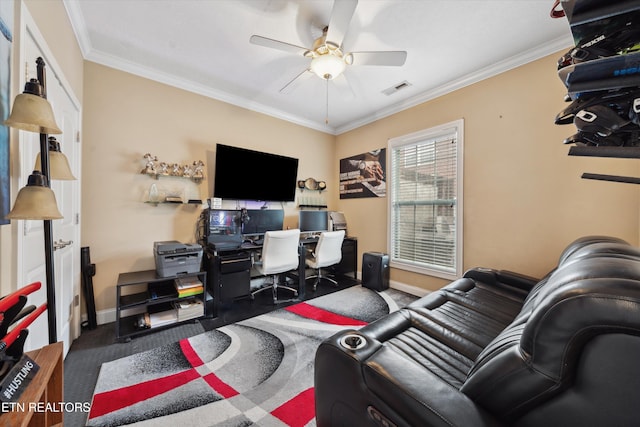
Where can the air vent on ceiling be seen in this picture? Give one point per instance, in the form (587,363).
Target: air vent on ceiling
(395,88)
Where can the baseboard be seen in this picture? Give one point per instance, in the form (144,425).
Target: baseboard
(109,315)
(102,316)
(106,316)
(410,289)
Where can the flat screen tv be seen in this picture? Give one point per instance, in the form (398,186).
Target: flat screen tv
(243,174)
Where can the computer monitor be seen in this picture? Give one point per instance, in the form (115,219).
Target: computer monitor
(313,220)
(259,221)
(223,222)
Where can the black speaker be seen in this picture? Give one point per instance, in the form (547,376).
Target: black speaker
(375,271)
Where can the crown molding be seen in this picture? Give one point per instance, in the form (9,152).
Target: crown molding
(190,86)
(482,74)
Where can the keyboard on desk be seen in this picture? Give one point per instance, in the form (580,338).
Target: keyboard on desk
(252,243)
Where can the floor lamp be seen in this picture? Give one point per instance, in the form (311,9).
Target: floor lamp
(32,112)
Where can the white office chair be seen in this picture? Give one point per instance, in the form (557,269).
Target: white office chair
(328,252)
(279,255)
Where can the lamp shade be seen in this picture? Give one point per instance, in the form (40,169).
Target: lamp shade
(35,201)
(328,66)
(32,112)
(58,164)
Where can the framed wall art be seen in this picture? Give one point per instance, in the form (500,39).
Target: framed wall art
(363,175)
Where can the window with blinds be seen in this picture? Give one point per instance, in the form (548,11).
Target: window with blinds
(425,209)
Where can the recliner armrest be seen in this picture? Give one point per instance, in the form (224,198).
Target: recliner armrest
(506,277)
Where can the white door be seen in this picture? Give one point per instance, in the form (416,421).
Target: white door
(66,231)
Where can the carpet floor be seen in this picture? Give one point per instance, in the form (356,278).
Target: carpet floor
(257,371)
(95,347)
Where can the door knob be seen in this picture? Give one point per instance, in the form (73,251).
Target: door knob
(61,244)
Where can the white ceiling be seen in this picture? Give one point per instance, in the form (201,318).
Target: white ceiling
(203,46)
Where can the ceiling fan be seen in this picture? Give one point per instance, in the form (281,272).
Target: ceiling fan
(328,57)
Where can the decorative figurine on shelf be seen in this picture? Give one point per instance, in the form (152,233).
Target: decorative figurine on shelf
(154,193)
(164,169)
(176,170)
(198,171)
(150,166)
(187,172)
(195,172)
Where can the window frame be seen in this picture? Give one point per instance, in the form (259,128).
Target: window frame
(431,133)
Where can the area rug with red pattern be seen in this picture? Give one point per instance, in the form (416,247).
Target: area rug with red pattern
(255,372)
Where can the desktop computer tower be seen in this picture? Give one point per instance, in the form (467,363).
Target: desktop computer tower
(375,271)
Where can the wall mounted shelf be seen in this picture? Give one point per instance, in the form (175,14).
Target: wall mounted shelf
(312,206)
(179,183)
(617,152)
(611,178)
(606,151)
(188,202)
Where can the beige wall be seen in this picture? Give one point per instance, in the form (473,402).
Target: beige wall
(524,199)
(127,116)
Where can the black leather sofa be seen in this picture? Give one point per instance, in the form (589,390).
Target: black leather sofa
(495,348)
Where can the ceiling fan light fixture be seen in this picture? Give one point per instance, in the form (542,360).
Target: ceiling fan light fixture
(328,66)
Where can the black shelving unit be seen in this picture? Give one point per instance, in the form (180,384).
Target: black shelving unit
(144,291)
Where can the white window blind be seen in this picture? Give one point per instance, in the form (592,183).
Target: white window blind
(425,234)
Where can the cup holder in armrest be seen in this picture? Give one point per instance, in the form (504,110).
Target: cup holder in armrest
(353,342)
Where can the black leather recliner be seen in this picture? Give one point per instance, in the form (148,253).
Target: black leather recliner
(496,348)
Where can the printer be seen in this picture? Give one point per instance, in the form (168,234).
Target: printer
(174,258)
(337,221)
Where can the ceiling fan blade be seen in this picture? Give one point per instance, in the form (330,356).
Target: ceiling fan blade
(276,44)
(293,83)
(341,15)
(390,58)
(344,87)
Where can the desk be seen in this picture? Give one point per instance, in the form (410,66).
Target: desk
(229,270)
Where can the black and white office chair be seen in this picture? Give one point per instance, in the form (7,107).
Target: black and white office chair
(279,255)
(328,252)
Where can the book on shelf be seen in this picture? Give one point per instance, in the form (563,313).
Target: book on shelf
(187,282)
(190,292)
(188,286)
(161,318)
(189,309)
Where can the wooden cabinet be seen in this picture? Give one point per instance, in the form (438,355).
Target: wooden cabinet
(40,402)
